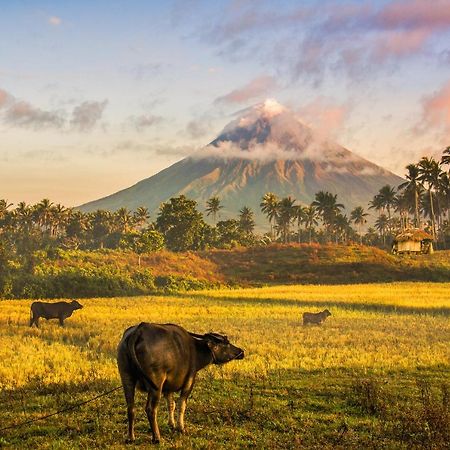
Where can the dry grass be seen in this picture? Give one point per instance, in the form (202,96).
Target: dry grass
(395,331)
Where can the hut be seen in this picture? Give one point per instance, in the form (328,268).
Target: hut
(413,240)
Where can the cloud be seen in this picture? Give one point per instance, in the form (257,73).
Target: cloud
(4,98)
(23,114)
(308,41)
(86,115)
(55,21)
(436,111)
(324,115)
(141,123)
(197,128)
(257,87)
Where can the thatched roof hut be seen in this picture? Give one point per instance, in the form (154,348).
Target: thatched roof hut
(413,240)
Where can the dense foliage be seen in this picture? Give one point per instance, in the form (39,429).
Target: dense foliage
(27,232)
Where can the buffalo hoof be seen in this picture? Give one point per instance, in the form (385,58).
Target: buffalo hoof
(129,441)
(155,441)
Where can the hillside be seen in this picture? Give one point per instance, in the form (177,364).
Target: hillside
(266,149)
(114,273)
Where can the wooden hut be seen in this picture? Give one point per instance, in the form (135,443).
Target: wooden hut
(413,240)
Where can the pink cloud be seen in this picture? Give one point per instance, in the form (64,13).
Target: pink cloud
(4,96)
(416,14)
(436,108)
(400,43)
(323,115)
(257,87)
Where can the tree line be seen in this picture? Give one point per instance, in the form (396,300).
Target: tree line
(422,201)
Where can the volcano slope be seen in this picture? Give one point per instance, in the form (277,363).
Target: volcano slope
(266,149)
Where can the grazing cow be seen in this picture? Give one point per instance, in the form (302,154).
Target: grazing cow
(315,318)
(58,310)
(163,359)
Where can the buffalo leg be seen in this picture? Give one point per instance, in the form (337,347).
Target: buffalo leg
(61,321)
(129,387)
(171,407)
(181,410)
(151,408)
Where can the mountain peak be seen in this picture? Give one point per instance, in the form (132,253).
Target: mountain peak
(270,108)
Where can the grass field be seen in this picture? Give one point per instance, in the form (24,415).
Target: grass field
(375,375)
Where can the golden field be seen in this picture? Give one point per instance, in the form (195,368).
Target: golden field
(398,333)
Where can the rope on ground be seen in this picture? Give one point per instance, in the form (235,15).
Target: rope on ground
(69,408)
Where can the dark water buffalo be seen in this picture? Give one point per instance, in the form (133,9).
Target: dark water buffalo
(163,359)
(58,310)
(315,318)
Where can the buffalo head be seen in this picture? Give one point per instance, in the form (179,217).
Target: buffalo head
(222,349)
(76,305)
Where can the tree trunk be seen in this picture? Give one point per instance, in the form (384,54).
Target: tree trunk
(433,224)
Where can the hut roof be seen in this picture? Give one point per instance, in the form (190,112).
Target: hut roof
(413,234)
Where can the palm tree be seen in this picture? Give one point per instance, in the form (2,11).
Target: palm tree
(43,214)
(246,220)
(140,216)
(430,172)
(342,226)
(446,156)
(123,220)
(327,208)
(414,187)
(382,225)
(377,204)
(386,197)
(311,219)
(213,207)
(358,217)
(286,212)
(444,191)
(269,206)
(299,215)
(60,215)
(24,217)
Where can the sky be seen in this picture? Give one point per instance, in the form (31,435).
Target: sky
(98,95)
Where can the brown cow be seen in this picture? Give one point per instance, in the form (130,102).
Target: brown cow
(163,359)
(315,318)
(58,310)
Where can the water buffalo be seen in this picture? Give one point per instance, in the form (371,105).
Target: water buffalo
(58,310)
(163,359)
(315,318)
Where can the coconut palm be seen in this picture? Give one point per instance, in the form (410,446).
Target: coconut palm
(358,217)
(299,216)
(140,216)
(377,204)
(328,208)
(387,198)
(382,226)
(342,227)
(446,156)
(213,207)
(311,219)
(269,206)
(123,220)
(286,212)
(246,220)
(430,172)
(43,214)
(414,187)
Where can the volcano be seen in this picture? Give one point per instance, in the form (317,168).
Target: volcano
(267,148)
